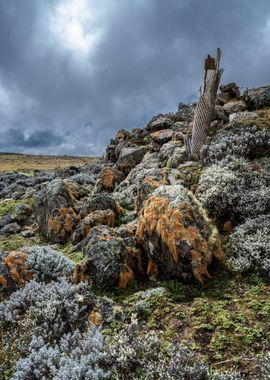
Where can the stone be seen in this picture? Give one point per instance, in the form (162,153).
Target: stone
(177,236)
(234,106)
(104,217)
(227,92)
(158,123)
(129,158)
(10,229)
(99,202)
(109,261)
(54,210)
(163,136)
(22,212)
(108,179)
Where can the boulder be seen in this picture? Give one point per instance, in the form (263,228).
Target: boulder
(178,238)
(109,260)
(158,123)
(108,178)
(54,211)
(105,217)
(99,202)
(129,158)
(126,192)
(234,106)
(163,136)
(228,92)
(10,229)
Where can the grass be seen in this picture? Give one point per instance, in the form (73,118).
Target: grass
(9,206)
(226,323)
(28,163)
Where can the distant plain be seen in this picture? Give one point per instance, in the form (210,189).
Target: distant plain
(28,163)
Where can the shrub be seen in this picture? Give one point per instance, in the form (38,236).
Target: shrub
(241,141)
(47,263)
(235,190)
(49,310)
(129,355)
(76,356)
(249,246)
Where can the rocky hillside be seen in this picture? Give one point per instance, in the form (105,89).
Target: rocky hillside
(145,264)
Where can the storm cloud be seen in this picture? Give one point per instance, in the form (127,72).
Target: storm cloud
(73,72)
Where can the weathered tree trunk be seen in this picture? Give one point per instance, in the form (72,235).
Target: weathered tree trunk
(206,104)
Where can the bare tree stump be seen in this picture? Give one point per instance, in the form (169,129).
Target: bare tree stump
(206,104)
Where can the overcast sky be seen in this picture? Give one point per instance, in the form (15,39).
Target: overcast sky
(73,72)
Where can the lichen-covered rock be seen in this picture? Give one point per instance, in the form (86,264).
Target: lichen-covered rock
(9,229)
(108,179)
(39,263)
(129,158)
(54,210)
(236,190)
(98,202)
(176,234)
(228,92)
(127,191)
(158,123)
(109,260)
(105,217)
(256,98)
(163,136)
(234,106)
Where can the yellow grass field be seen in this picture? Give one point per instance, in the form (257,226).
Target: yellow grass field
(27,163)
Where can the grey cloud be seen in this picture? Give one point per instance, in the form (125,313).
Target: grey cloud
(14,137)
(147,59)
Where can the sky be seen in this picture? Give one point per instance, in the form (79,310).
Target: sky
(74,72)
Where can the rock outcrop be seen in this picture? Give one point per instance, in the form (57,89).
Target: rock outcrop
(177,235)
(55,213)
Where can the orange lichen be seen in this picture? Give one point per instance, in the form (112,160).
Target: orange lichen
(62,225)
(17,268)
(108,178)
(228,227)
(170,224)
(96,318)
(125,277)
(152,269)
(120,135)
(3,282)
(80,273)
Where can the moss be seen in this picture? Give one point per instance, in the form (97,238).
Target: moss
(68,251)
(16,241)
(9,206)
(222,322)
(190,175)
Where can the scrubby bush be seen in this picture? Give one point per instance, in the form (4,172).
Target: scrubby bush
(130,355)
(241,141)
(48,310)
(226,376)
(46,263)
(249,246)
(262,367)
(76,356)
(235,190)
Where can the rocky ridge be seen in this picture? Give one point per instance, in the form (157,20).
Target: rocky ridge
(142,216)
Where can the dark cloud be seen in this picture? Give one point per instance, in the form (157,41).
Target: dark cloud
(72,72)
(14,139)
